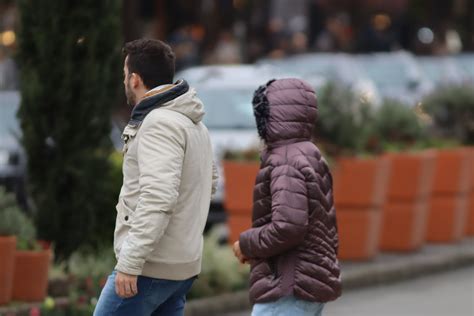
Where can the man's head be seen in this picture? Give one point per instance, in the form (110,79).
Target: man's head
(148,63)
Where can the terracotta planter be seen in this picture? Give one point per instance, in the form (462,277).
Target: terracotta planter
(449,199)
(7,259)
(30,280)
(446,219)
(237,224)
(405,216)
(240,180)
(469,227)
(359,233)
(359,183)
(238,201)
(359,191)
(403,227)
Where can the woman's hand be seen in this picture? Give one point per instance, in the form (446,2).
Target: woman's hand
(238,253)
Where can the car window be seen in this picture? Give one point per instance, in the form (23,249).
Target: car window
(9,104)
(227,107)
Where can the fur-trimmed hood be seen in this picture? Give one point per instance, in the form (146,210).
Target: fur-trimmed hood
(285,111)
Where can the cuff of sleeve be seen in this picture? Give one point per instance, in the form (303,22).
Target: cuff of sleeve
(244,243)
(128,268)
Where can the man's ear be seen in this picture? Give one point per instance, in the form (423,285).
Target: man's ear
(135,80)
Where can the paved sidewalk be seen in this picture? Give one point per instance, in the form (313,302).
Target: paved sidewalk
(448,293)
(386,268)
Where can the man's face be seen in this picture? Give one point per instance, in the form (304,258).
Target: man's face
(131,96)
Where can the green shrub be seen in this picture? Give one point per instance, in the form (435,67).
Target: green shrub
(10,216)
(88,270)
(438,143)
(396,125)
(14,222)
(452,111)
(343,121)
(221,271)
(250,154)
(92,263)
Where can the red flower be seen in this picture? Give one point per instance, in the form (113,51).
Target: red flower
(35,311)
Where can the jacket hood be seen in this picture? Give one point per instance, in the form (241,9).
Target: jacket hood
(176,97)
(285,111)
(187,104)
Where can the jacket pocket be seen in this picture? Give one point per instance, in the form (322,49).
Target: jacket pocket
(123,224)
(125,214)
(263,268)
(273,264)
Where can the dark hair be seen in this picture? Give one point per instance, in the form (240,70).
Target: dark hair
(152,60)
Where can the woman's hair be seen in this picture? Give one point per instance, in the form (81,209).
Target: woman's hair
(261,109)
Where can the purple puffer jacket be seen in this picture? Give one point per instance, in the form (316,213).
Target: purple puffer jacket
(293,243)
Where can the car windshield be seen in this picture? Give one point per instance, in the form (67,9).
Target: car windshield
(228,107)
(9,104)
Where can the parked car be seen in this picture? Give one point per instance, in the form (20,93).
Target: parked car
(12,155)
(227,93)
(319,68)
(397,75)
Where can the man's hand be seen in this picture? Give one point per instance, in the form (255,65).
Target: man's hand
(125,285)
(238,253)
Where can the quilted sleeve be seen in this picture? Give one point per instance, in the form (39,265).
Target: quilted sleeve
(289,221)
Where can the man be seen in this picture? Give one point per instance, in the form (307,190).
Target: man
(168,181)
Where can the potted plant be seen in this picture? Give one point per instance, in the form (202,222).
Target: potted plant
(240,172)
(30,277)
(401,129)
(9,225)
(451,110)
(405,209)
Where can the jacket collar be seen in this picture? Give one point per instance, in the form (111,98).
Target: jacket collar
(156,98)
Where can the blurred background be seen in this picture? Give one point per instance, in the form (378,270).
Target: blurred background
(395,87)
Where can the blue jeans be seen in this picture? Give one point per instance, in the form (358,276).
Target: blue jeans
(288,306)
(155,297)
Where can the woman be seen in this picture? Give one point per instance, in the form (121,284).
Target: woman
(292,247)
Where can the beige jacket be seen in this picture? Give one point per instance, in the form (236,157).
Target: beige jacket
(168,180)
